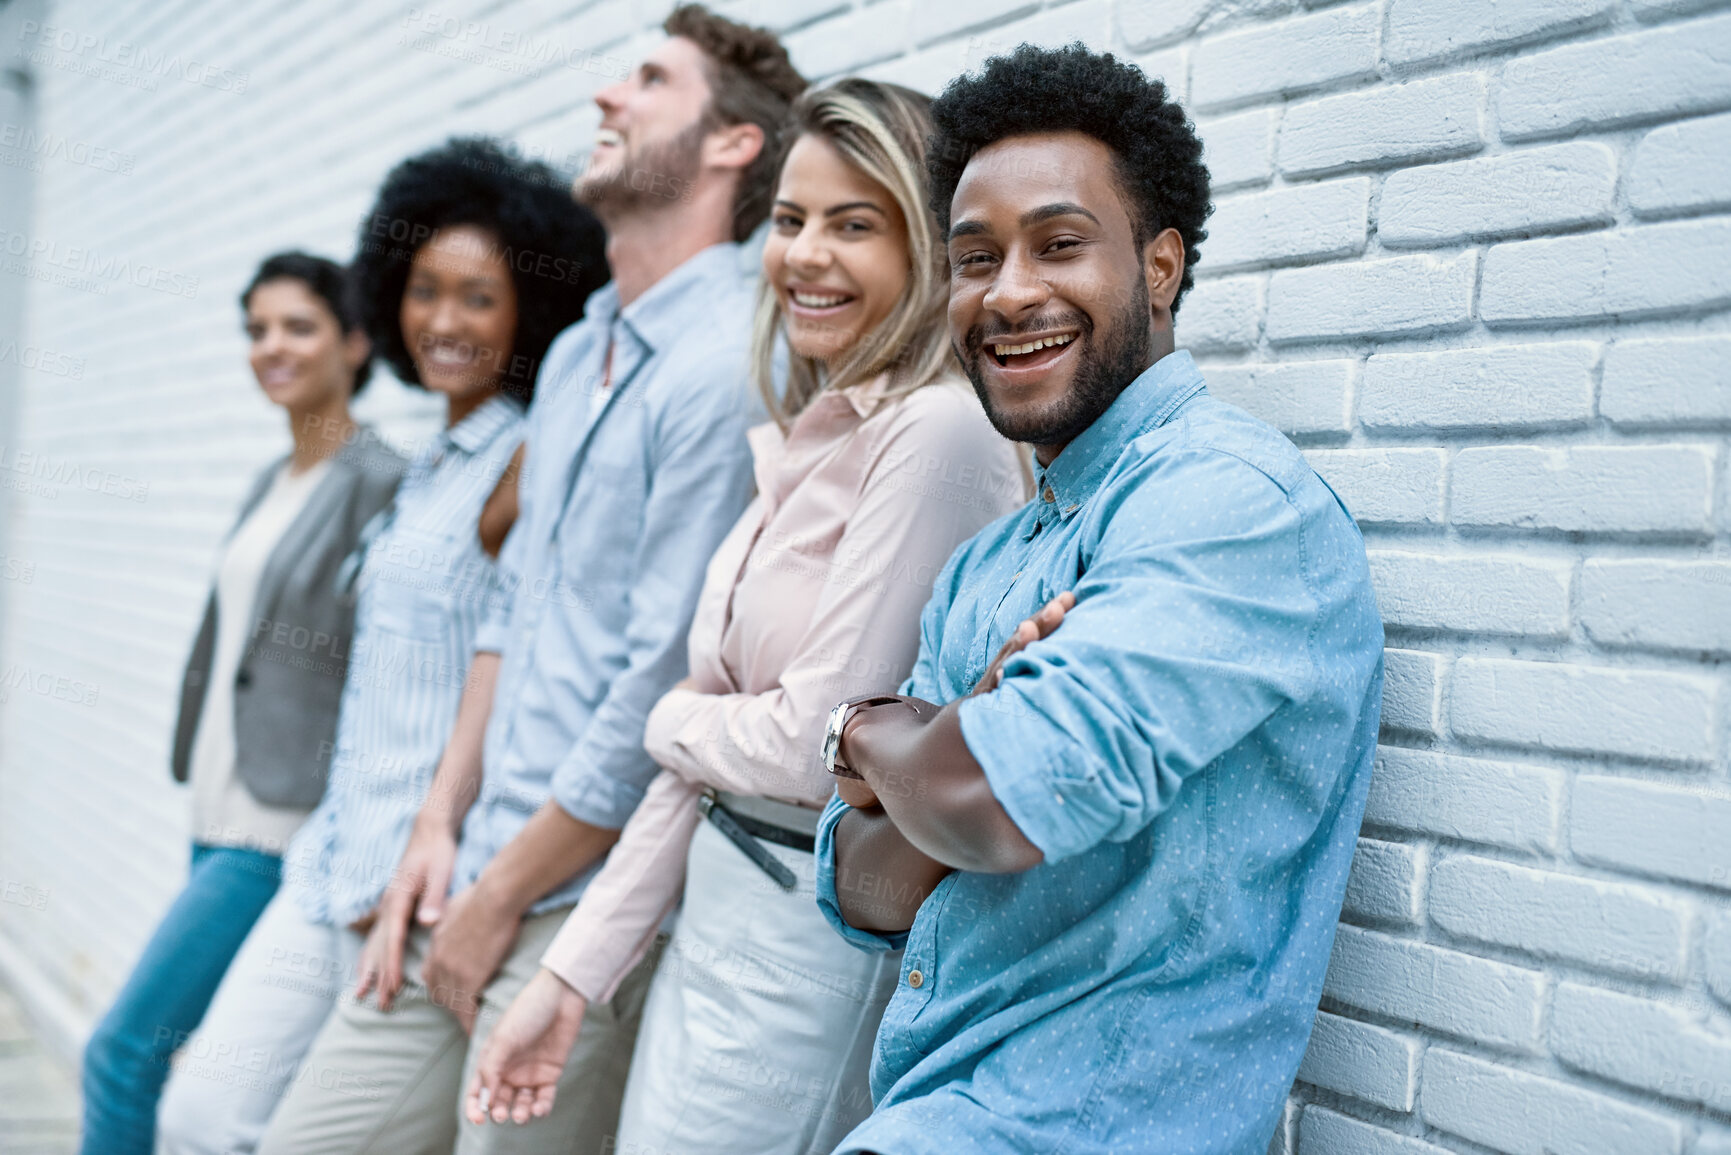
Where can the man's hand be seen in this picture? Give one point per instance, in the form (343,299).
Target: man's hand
(856,793)
(469,942)
(520,1066)
(417,890)
(859,795)
(1046,619)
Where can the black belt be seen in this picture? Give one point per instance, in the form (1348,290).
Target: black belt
(744,832)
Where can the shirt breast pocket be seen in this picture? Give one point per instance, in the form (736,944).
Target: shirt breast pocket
(410,584)
(1026,594)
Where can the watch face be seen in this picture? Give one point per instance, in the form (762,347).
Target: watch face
(832,735)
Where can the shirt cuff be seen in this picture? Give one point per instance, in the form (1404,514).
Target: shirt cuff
(490,635)
(1039,774)
(594,796)
(826,896)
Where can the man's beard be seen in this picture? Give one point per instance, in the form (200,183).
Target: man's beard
(1102,373)
(655,176)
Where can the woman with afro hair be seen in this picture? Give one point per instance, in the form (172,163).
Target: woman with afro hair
(468,266)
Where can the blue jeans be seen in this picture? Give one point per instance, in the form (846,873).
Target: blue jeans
(126,1060)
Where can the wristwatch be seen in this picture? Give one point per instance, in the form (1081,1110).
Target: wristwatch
(838,720)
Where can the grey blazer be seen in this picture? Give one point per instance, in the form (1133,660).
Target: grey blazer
(290,678)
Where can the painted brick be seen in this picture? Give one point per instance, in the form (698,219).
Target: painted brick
(1524,1114)
(1428,29)
(1220,315)
(1411,691)
(1662,604)
(846,42)
(1309,222)
(1716,955)
(1296,397)
(1365,1062)
(1383,126)
(1682,167)
(1334,1134)
(1385,486)
(1239,150)
(1445,990)
(929,22)
(1386,883)
(1589,489)
(1641,1043)
(1534,190)
(1611,926)
(1596,710)
(1170,66)
(1471,799)
(1713,1141)
(1285,1141)
(1546,386)
(1660,9)
(1401,295)
(1634,272)
(1660,73)
(1667,382)
(1680,833)
(927,70)
(1286,56)
(1084,20)
(1145,25)
(780,15)
(1482,594)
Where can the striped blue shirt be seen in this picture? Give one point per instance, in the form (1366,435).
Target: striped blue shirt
(625,493)
(422,593)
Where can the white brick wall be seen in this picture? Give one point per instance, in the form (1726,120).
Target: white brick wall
(1471,254)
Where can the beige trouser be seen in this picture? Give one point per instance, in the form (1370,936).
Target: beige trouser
(392,1081)
(757,1036)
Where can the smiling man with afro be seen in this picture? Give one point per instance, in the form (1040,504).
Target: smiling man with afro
(1144,709)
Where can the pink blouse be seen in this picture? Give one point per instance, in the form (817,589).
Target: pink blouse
(814,597)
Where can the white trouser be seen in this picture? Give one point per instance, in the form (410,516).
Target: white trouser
(237,1066)
(757,1033)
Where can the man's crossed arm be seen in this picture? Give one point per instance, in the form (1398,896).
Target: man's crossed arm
(901,843)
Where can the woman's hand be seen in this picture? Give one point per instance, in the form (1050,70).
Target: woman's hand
(521,1062)
(417,889)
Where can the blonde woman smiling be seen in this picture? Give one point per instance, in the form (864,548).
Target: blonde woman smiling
(759,1023)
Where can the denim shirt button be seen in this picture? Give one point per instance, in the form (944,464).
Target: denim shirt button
(916,979)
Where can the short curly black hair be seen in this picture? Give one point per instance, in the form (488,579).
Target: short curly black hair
(324,279)
(1070,89)
(555,247)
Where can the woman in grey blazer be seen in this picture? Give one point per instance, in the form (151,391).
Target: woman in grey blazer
(258,706)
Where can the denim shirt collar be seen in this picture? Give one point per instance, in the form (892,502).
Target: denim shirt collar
(1080,468)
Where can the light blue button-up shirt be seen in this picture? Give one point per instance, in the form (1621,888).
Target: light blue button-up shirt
(1190,751)
(625,493)
(421,593)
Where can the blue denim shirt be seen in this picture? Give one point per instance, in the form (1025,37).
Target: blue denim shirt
(1190,751)
(422,588)
(625,493)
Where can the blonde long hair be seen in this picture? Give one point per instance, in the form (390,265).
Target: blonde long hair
(880,129)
